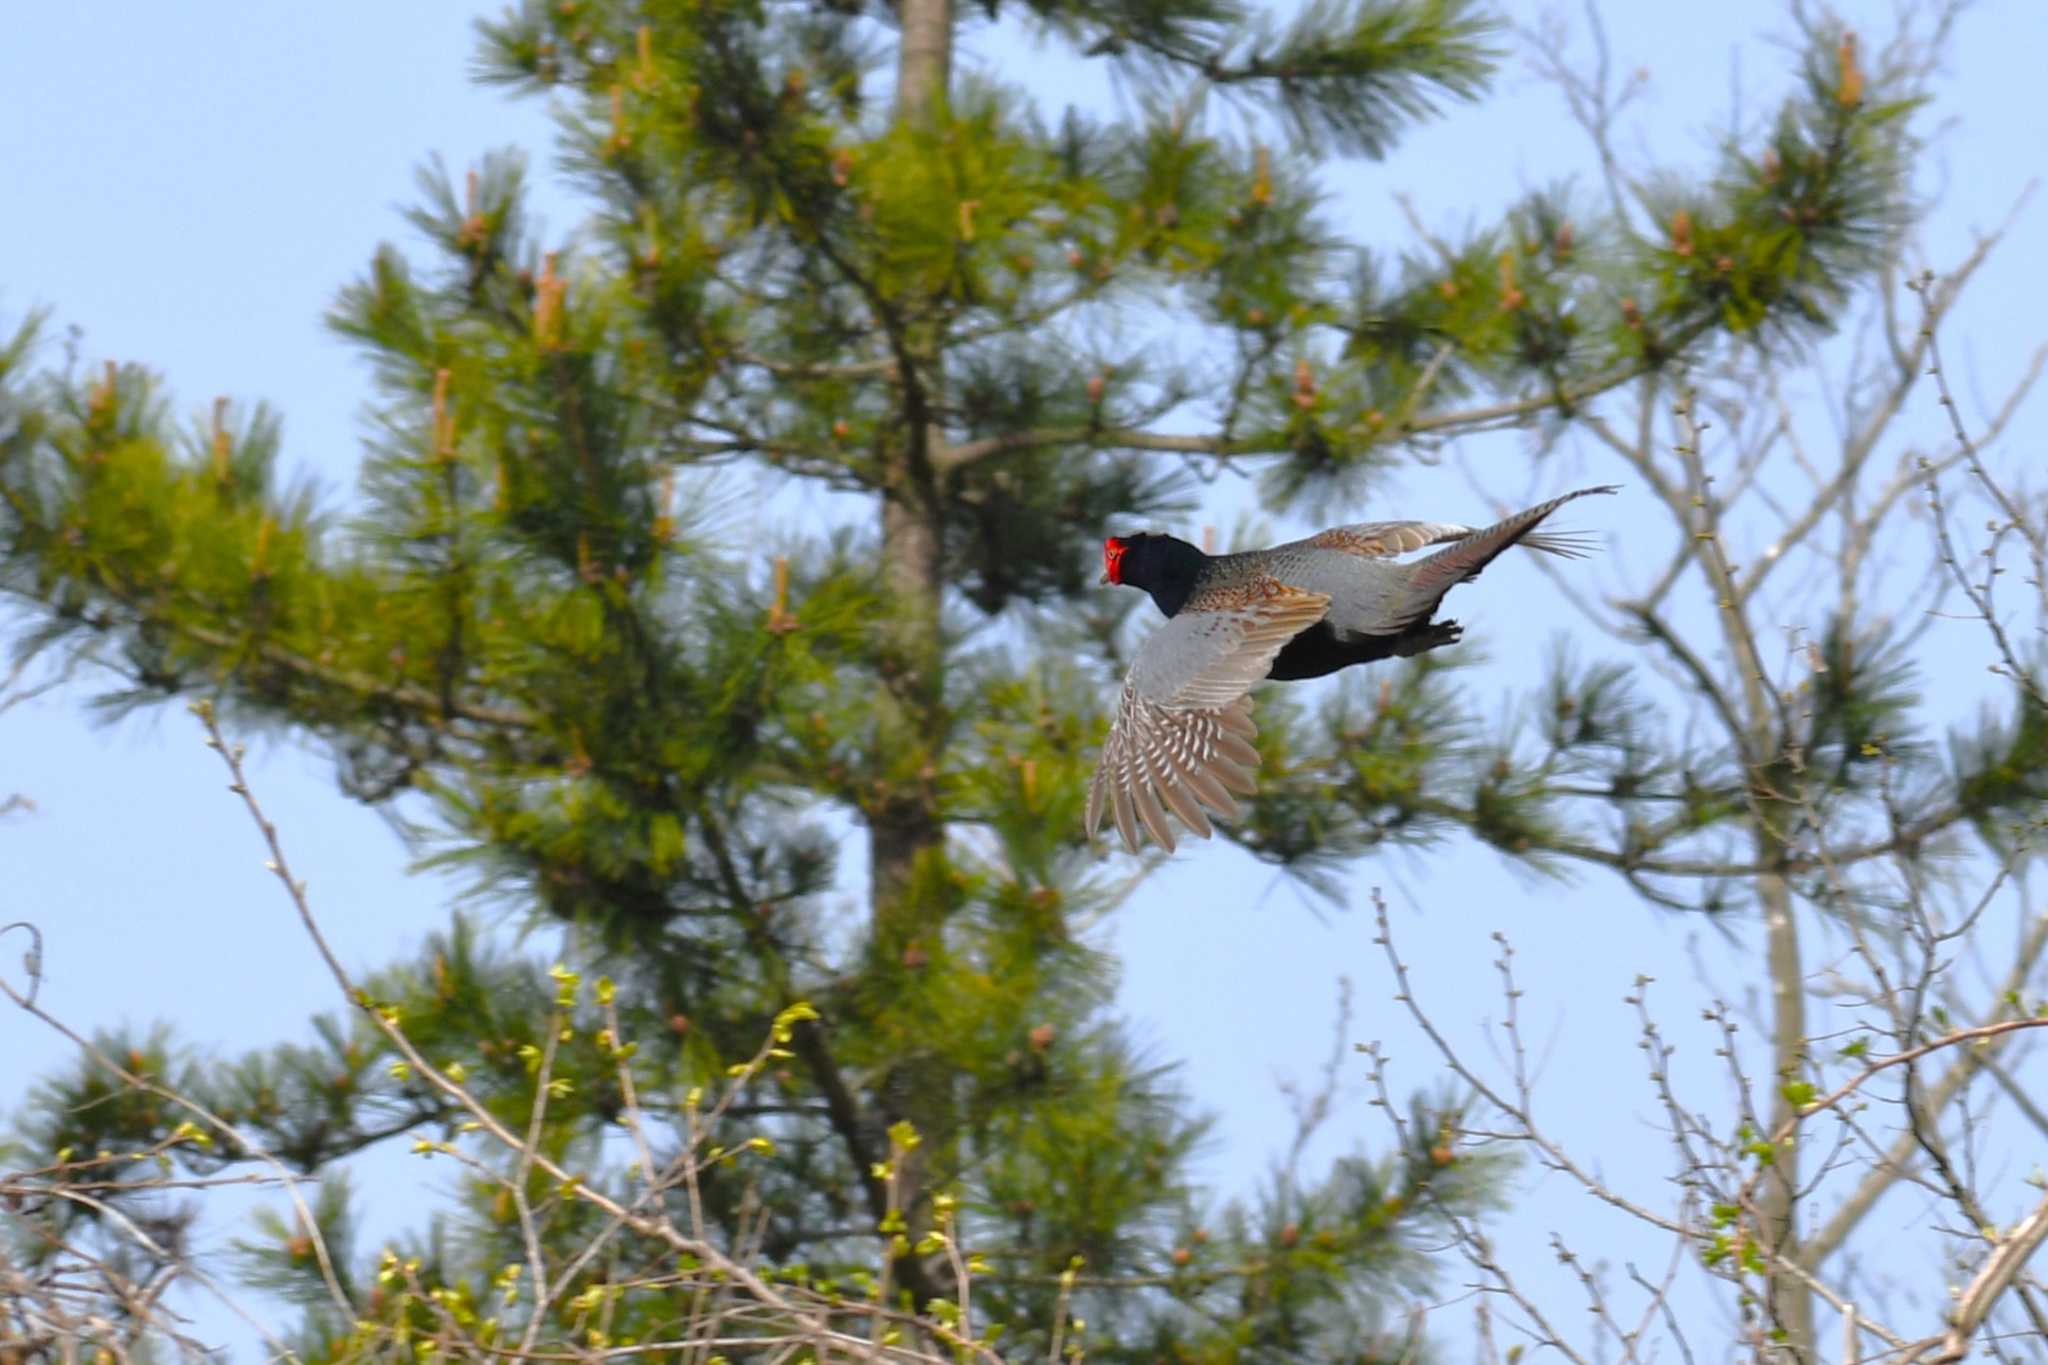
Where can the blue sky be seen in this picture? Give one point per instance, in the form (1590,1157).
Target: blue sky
(189,185)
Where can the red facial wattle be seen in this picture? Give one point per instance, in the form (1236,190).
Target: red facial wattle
(1113,559)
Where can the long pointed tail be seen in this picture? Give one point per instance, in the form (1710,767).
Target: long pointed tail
(1429,579)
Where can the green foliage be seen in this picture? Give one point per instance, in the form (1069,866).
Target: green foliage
(1804,219)
(99,1126)
(280,1258)
(1349,73)
(2001,772)
(1862,702)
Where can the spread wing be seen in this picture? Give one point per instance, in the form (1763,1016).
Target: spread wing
(1384,539)
(1183,731)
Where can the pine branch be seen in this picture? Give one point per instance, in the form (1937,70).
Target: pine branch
(1451,422)
(806,370)
(426,705)
(1907,839)
(1353,71)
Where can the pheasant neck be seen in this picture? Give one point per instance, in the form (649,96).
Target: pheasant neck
(1167,568)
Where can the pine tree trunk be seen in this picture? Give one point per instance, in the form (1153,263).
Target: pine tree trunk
(911,524)
(1788,1311)
(924,64)
(903,826)
(1791,1302)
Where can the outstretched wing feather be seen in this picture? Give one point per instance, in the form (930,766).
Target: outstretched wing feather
(1151,814)
(1383,539)
(1182,736)
(1210,792)
(1126,819)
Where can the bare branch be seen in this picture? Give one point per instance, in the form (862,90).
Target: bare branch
(1999,1273)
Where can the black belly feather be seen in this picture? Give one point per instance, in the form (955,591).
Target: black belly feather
(1319,650)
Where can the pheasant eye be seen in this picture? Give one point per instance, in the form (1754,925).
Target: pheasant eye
(1112,559)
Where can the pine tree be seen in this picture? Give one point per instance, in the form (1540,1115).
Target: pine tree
(894,287)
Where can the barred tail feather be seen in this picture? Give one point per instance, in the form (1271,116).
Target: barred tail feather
(1563,544)
(1429,579)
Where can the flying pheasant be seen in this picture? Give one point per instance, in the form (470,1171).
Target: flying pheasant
(1182,741)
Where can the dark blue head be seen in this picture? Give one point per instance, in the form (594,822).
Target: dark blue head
(1165,566)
